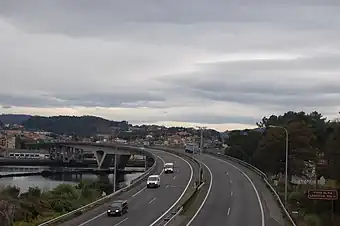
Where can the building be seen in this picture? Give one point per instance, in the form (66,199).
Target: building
(8,142)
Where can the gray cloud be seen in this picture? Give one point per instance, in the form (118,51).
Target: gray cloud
(185,56)
(86,100)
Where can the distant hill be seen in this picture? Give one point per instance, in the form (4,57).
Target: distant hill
(14,118)
(79,125)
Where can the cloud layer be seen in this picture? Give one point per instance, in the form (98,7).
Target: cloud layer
(217,62)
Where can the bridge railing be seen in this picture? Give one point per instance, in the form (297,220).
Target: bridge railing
(265,179)
(100,201)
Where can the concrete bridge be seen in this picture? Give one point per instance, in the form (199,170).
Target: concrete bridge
(105,154)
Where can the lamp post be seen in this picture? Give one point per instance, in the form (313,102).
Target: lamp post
(286,165)
(199,152)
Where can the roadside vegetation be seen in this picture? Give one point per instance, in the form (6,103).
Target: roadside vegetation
(37,206)
(314,152)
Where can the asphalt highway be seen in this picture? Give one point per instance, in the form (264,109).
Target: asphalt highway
(146,206)
(234,198)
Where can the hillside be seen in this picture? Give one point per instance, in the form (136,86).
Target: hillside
(83,125)
(14,118)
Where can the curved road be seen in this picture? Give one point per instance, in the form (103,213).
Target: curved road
(237,197)
(146,206)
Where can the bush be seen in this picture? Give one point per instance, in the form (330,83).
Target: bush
(312,220)
(37,206)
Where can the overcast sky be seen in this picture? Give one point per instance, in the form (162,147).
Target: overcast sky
(220,63)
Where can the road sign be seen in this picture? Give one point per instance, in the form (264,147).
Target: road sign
(323,194)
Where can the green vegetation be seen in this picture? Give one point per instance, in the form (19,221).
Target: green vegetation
(73,125)
(36,206)
(314,145)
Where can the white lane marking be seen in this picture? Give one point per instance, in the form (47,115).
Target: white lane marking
(99,215)
(120,222)
(231,193)
(152,200)
(252,184)
(227,173)
(231,181)
(180,197)
(137,193)
(166,186)
(206,196)
(228,211)
(134,195)
(174,178)
(93,218)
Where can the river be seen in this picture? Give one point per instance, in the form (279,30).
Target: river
(48,183)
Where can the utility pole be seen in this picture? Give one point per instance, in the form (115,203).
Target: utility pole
(200,151)
(115,174)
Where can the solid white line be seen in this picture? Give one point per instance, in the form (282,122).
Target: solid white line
(186,188)
(228,211)
(206,196)
(93,218)
(152,200)
(137,193)
(231,193)
(252,184)
(99,215)
(121,221)
(134,195)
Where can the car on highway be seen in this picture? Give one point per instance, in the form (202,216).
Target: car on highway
(169,167)
(118,208)
(154,181)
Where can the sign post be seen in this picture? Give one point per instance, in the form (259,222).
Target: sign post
(324,194)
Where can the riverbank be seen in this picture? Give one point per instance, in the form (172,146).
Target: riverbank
(36,206)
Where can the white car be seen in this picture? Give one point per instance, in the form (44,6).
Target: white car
(154,181)
(169,167)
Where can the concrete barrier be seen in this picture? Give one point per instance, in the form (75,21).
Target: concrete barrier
(100,201)
(264,178)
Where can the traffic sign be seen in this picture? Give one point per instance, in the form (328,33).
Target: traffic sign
(323,194)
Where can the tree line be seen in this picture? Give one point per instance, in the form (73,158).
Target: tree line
(313,145)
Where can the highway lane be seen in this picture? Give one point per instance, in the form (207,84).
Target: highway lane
(233,199)
(145,205)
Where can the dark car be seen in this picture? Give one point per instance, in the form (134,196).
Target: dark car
(117,208)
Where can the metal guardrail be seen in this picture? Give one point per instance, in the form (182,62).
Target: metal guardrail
(265,179)
(99,201)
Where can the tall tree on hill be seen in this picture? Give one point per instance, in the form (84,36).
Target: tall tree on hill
(270,155)
(242,144)
(332,152)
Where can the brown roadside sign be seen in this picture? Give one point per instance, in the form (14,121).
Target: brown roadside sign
(323,194)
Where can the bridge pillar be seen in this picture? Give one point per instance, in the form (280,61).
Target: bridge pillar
(107,160)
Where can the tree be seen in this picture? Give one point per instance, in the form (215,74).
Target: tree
(332,152)
(242,144)
(307,137)
(6,213)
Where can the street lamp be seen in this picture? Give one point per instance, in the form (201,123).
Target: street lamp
(286,166)
(200,150)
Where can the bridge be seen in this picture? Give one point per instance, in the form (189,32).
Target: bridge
(106,155)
